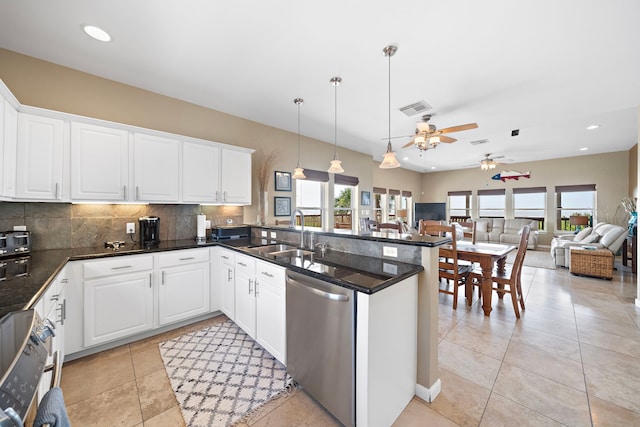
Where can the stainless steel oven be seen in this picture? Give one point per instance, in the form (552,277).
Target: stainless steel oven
(25,343)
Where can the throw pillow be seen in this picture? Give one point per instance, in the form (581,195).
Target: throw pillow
(482,226)
(591,238)
(582,234)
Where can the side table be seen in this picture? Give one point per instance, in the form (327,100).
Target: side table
(592,262)
(631,241)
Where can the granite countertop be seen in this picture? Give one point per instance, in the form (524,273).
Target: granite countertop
(360,273)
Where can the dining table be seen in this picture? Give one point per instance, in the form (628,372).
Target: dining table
(486,255)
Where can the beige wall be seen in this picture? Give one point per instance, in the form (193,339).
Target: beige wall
(633,171)
(43,84)
(610,173)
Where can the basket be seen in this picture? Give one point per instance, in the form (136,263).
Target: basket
(592,262)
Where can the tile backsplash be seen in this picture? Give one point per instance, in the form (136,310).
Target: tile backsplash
(65,225)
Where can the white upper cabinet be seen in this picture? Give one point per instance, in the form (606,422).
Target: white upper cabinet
(99,163)
(8,148)
(156,168)
(235,177)
(40,156)
(200,173)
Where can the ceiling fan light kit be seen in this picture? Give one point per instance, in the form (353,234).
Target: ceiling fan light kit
(389,160)
(427,136)
(298,172)
(336,165)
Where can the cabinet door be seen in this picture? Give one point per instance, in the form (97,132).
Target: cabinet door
(245,302)
(183,292)
(226,278)
(10,134)
(156,168)
(39,157)
(117,306)
(271,310)
(200,173)
(99,163)
(235,177)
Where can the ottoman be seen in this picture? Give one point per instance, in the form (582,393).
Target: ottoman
(592,262)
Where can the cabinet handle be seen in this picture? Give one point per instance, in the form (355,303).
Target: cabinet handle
(163,277)
(55,297)
(61,308)
(125,193)
(242,264)
(267,274)
(224,196)
(229,274)
(187,258)
(137,193)
(150,279)
(64,281)
(250,283)
(64,310)
(224,257)
(216,196)
(57,189)
(256,288)
(121,267)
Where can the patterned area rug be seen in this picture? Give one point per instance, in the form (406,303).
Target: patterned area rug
(540,258)
(219,374)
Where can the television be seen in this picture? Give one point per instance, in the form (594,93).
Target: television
(434,211)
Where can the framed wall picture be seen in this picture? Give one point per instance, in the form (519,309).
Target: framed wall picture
(282,206)
(282,181)
(365,198)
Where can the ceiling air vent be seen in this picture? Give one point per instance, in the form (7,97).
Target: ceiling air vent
(479,141)
(416,108)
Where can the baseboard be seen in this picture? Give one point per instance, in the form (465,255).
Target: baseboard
(429,394)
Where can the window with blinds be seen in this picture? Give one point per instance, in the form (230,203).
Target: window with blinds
(530,203)
(574,200)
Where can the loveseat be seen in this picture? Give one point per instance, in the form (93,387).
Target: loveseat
(506,231)
(602,236)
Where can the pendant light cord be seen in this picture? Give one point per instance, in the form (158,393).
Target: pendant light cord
(335,121)
(298,163)
(389,140)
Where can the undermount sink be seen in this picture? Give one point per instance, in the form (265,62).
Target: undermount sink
(291,253)
(271,249)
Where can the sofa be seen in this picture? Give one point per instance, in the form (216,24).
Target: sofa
(602,236)
(506,231)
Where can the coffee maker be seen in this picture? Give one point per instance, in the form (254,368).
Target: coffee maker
(149,231)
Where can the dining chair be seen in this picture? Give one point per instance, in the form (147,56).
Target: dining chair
(469,229)
(424,227)
(507,281)
(390,226)
(372,224)
(455,274)
(283,222)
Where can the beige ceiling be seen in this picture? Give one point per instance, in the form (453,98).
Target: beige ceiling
(549,68)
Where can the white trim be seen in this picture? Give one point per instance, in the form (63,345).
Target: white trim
(429,394)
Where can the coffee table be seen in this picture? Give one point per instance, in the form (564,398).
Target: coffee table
(591,262)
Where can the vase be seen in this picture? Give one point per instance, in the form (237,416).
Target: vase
(632,223)
(263,206)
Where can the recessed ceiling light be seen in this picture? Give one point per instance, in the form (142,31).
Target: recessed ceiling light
(433,167)
(97,33)
(584,149)
(592,127)
(405,158)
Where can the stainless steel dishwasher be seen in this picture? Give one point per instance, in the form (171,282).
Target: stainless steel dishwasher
(321,343)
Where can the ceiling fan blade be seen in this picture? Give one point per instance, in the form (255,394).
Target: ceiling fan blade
(459,128)
(396,137)
(410,143)
(447,139)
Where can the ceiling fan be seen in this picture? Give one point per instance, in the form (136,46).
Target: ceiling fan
(489,162)
(427,136)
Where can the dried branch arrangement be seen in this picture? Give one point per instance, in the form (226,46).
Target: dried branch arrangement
(265,168)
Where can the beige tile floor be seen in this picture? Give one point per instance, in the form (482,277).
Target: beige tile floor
(572,359)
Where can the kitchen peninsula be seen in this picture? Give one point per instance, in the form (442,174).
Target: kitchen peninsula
(358,263)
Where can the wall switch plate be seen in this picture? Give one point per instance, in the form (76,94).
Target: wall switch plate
(273,234)
(131,228)
(389,251)
(263,233)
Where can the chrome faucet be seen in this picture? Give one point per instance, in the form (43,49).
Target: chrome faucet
(293,224)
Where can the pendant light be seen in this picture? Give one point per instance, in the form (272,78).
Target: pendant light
(389,161)
(298,172)
(336,166)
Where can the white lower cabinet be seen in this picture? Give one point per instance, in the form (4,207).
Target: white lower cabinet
(184,285)
(225,274)
(118,298)
(261,303)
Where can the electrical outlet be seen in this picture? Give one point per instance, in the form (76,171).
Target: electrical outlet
(389,251)
(273,234)
(263,233)
(131,228)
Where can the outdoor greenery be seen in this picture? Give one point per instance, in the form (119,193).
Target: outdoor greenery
(343,201)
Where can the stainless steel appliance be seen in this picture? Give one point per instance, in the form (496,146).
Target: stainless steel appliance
(14,243)
(14,267)
(222,232)
(149,231)
(321,343)
(25,342)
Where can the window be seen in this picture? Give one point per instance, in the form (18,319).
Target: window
(574,200)
(309,197)
(405,213)
(379,196)
(343,190)
(491,203)
(459,206)
(392,203)
(530,203)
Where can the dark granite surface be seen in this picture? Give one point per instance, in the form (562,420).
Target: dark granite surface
(361,273)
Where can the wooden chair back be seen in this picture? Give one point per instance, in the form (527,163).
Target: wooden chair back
(448,268)
(372,224)
(390,226)
(424,227)
(283,222)
(469,229)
